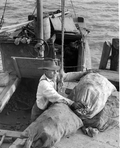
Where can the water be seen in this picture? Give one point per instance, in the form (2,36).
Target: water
(101,18)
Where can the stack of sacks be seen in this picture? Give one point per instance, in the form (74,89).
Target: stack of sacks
(92,92)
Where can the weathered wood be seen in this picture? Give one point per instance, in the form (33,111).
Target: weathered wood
(114,65)
(23,50)
(2,139)
(8,91)
(18,142)
(112,76)
(16,67)
(4,79)
(105,55)
(28,67)
(8,133)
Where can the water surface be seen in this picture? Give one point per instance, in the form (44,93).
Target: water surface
(101,18)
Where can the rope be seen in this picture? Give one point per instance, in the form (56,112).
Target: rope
(2,19)
(63,23)
(77,25)
(73,8)
(34,9)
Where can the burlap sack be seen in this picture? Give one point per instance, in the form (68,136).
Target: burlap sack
(105,120)
(92,93)
(56,122)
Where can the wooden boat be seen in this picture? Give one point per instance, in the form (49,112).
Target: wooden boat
(21,56)
(22,60)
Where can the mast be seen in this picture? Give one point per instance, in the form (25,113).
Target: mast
(40,25)
(63,24)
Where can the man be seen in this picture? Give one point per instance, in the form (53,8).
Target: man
(46,91)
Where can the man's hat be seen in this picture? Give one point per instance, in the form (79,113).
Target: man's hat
(50,65)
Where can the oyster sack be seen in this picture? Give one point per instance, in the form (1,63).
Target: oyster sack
(56,122)
(92,93)
(106,119)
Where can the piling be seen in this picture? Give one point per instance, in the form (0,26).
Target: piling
(105,55)
(114,64)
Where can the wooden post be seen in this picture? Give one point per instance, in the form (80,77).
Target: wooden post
(105,55)
(40,25)
(39,19)
(115,55)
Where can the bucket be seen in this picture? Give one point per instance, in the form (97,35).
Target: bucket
(46,28)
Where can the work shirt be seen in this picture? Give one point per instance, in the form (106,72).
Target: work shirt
(46,93)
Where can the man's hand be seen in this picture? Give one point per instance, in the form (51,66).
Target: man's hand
(61,73)
(76,105)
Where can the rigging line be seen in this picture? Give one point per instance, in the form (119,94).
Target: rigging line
(2,19)
(73,8)
(34,9)
(78,27)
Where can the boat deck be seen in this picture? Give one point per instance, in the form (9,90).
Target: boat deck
(108,139)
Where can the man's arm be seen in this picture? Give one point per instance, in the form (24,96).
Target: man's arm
(52,95)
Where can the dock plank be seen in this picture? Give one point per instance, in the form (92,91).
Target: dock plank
(112,76)
(9,133)
(8,91)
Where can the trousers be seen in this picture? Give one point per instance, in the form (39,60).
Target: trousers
(36,112)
